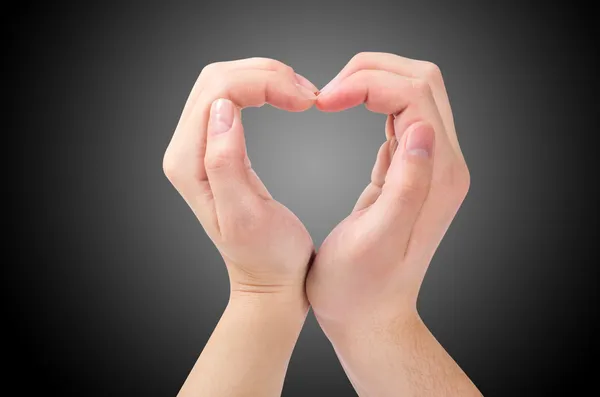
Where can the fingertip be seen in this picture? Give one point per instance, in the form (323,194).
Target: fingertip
(321,104)
(412,163)
(302,100)
(291,96)
(306,92)
(420,139)
(342,96)
(221,118)
(303,81)
(327,103)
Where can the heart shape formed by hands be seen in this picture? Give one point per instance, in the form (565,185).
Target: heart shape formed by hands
(382,249)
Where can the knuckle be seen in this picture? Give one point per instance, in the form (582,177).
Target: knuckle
(271,64)
(218,80)
(288,70)
(171,167)
(212,68)
(275,66)
(421,88)
(431,72)
(456,181)
(463,181)
(360,59)
(280,67)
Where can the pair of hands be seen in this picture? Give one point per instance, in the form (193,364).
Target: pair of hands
(366,276)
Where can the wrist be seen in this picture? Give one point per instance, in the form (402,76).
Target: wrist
(270,319)
(288,305)
(287,283)
(378,325)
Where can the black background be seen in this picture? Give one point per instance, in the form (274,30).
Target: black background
(112,286)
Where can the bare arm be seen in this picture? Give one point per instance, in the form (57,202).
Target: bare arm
(264,245)
(401,358)
(249,351)
(365,280)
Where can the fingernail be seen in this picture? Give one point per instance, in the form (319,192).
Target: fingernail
(328,87)
(305,92)
(419,141)
(221,116)
(303,81)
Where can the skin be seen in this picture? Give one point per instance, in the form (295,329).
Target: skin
(365,279)
(265,247)
(364,283)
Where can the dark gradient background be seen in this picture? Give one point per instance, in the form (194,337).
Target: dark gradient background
(114,288)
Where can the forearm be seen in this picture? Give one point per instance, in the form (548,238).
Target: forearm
(249,350)
(400,357)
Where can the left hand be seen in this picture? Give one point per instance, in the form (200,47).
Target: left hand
(369,269)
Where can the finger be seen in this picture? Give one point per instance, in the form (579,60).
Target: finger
(409,100)
(386,62)
(423,70)
(367,197)
(303,81)
(184,158)
(234,194)
(219,68)
(380,91)
(406,184)
(389,126)
(372,191)
(254,179)
(254,88)
(246,88)
(258,186)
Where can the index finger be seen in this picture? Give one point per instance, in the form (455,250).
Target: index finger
(245,88)
(417,69)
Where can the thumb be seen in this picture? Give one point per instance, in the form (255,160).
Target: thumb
(407,184)
(226,161)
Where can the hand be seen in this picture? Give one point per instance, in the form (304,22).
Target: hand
(365,279)
(264,245)
(374,260)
